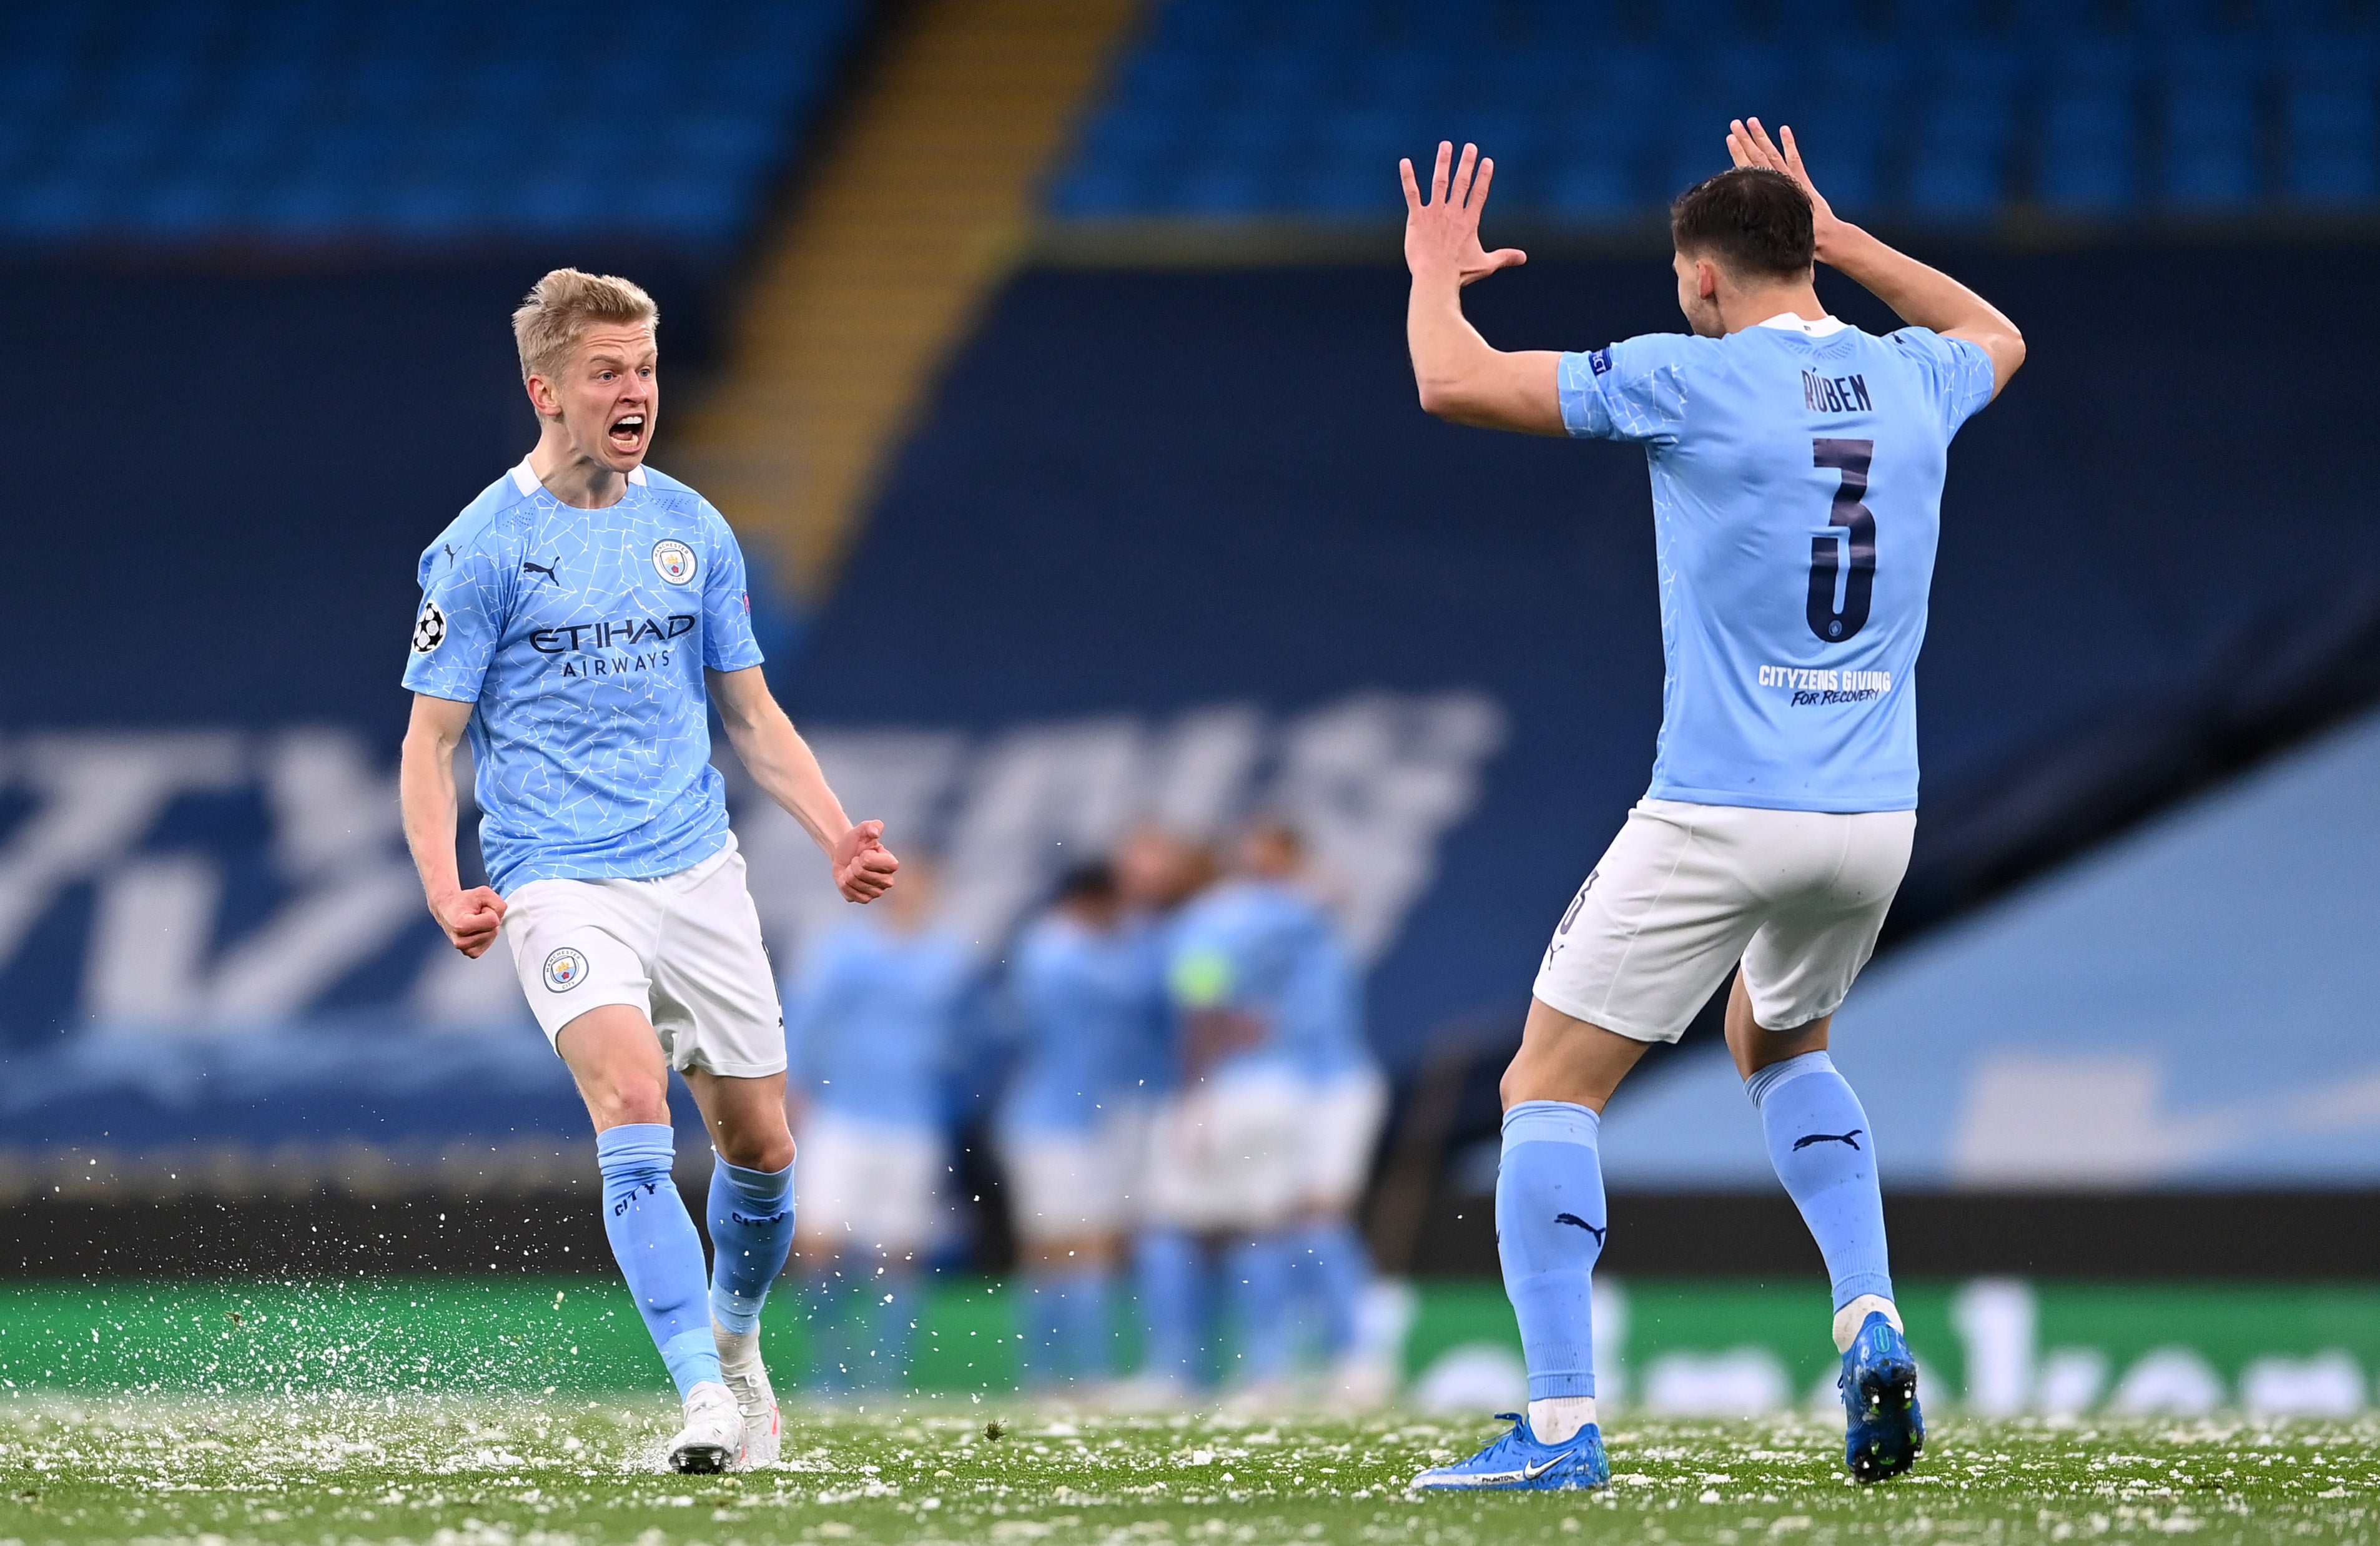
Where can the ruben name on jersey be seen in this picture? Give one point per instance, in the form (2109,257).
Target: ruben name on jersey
(1797,472)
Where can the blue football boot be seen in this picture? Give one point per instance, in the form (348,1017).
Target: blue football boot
(1518,1463)
(1886,1432)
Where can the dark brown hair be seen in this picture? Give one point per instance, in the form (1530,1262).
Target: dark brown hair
(1748,220)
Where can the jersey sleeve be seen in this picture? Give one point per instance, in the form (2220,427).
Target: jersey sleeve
(1630,391)
(1957,373)
(727,641)
(466,598)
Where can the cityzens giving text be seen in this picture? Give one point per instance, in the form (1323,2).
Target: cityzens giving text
(1826,684)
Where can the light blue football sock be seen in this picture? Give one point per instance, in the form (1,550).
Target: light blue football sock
(1819,1141)
(1336,1269)
(1066,1333)
(893,1321)
(1171,1277)
(653,1240)
(1041,1313)
(1258,1272)
(752,1232)
(830,1306)
(1550,1228)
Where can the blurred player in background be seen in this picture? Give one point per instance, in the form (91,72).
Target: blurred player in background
(1067,1132)
(1265,1000)
(873,1018)
(1158,873)
(1797,466)
(579,620)
(1347,1097)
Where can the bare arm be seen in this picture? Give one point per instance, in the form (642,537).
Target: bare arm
(1460,375)
(1925,297)
(425,785)
(780,762)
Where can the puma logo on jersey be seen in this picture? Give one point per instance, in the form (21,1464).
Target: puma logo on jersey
(1850,1138)
(1573,1218)
(545,569)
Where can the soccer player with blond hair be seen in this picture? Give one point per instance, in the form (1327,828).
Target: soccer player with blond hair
(579,620)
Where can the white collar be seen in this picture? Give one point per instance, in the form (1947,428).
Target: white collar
(1785,322)
(527,481)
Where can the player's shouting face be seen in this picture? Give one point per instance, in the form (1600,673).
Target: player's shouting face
(606,396)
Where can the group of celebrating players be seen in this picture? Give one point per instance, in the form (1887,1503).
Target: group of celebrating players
(583,617)
(1188,1101)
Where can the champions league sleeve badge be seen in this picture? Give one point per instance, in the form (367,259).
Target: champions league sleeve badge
(675,562)
(429,629)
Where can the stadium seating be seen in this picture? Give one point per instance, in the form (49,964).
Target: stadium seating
(1599,112)
(422,123)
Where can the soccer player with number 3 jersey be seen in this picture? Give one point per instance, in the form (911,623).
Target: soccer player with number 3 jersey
(579,620)
(1797,466)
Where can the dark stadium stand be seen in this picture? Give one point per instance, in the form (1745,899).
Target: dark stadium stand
(422,123)
(1600,110)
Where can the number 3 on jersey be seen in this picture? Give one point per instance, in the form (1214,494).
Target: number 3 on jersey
(1850,458)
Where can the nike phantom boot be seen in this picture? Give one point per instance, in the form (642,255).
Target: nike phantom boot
(1886,1432)
(713,1434)
(739,1360)
(1519,1463)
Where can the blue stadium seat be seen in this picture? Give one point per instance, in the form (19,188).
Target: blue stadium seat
(1958,169)
(2328,151)
(49,207)
(2088,154)
(1844,140)
(1934,17)
(322,120)
(182,209)
(1595,172)
(2208,108)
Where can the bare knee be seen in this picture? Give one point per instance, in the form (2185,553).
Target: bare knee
(757,1145)
(616,1099)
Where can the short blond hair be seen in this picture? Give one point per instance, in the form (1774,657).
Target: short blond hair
(562,306)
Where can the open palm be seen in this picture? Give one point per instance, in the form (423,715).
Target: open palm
(1444,232)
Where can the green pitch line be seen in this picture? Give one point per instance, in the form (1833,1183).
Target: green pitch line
(532,1336)
(571,1473)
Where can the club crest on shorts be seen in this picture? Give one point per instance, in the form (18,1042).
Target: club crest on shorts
(673,562)
(565,970)
(429,629)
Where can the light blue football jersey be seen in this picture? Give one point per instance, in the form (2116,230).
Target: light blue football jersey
(873,1020)
(1270,951)
(1797,492)
(1081,1009)
(580,637)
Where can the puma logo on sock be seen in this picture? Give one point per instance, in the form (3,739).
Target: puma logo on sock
(1573,1218)
(1850,1138)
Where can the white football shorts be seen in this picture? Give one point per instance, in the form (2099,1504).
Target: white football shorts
(1343,1124)
(684,949)
(1686,891)
(1065,1185)
(865,1186)
(1228,1153)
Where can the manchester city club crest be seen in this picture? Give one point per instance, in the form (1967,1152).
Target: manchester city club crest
(565,970)
(429,629)
(673,562)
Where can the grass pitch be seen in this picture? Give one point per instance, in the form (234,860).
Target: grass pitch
(460,1471)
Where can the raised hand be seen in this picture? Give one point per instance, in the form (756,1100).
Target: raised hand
(1749,144)
(864,868)
(1444,232)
